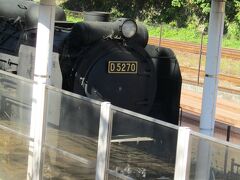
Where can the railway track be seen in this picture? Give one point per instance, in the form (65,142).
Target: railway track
(233,54)
(195,49)
(235,81)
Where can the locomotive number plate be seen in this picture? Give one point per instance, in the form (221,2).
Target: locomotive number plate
(127,67)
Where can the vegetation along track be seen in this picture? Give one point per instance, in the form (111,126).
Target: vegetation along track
(233,54)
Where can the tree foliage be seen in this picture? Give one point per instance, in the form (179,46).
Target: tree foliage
(181,13)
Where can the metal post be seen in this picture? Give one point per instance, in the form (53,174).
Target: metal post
(44,47)
(180,116)
(160,35)
(225,162)
(228,133)
(200,57)
(232,165)
(203,164)
(104,141)
(207,120)
(41,76)
(182,164)
(37,131)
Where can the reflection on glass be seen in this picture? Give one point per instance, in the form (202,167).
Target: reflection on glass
(13,156)
(224,161)
(15,107)
(72,131)
(59,166)
(141,149)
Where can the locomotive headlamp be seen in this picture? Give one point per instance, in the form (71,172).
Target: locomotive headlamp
(125,27)
(129,28)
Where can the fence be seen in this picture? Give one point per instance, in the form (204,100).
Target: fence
(87,139)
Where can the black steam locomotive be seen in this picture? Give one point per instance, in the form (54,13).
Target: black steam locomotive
(100,59)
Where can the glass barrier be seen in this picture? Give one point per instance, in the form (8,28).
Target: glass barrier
(142,147)
(15,115)
(13,156)
(220,160)
(59,165)
(71,135)
(72,132)
(15,107)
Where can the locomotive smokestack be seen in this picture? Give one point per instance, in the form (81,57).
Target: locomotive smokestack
(96,16)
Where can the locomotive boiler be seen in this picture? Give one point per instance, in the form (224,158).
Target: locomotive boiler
(97,58)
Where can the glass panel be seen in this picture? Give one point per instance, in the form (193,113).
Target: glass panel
(222,161)
(142,149)
(15,99)
(72,131)
(13,156)
(59,166)
(114,175)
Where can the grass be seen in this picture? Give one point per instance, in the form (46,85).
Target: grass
(188,35)
(72,17)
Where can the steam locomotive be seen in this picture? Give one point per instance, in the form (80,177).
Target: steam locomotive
(97,58)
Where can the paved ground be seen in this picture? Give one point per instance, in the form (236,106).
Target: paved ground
(227,113)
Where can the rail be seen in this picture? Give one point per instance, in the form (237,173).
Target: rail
(194,48)
(235,81)
(232,54)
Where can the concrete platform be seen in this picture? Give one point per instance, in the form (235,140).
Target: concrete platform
(227,114)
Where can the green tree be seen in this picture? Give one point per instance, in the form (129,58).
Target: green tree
(182,13)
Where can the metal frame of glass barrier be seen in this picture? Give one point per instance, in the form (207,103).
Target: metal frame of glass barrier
(16,77)
(37,131)
(213,139)
(146,118)
(182,164)
(104,141)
